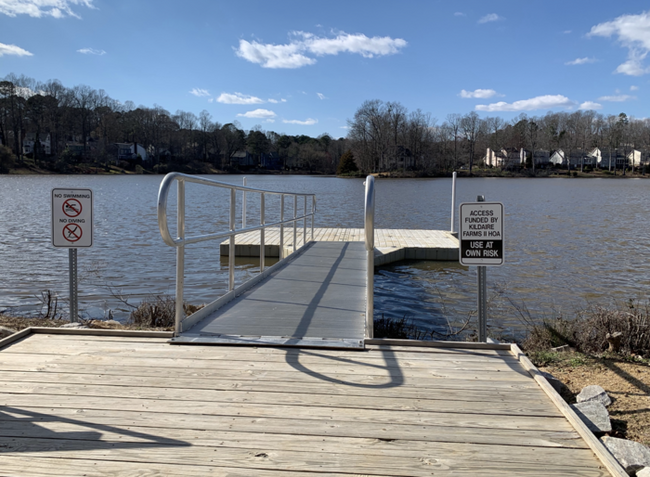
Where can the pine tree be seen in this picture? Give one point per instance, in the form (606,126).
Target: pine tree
(347,164)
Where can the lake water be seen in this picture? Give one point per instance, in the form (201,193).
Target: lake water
(569,243)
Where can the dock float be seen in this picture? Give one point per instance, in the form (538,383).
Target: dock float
(104,402)
(391,245)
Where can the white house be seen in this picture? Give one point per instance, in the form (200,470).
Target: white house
(127,150)
(634,158)
(30,141)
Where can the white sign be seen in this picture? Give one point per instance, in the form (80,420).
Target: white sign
(481,233)
(72,218)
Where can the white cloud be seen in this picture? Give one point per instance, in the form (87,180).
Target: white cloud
(321,96)
(634,88)
(591,105)
(344,127)
(459,14)
(617,99)
(294,54)
(306,122)
(633,32)
(478,93)
(13,50)
(90,51)
(200,92)
(40,8)
(566,32)
(580,61)
(258,114)
(276,101)
(238,98)
(548,101)
(491,17)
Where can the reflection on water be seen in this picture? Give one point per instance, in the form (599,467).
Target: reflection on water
(567,242)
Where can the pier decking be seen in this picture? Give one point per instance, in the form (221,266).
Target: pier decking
(72,404)
(391,245)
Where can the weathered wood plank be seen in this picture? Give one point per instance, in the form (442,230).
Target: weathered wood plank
(283,460)
(99,388)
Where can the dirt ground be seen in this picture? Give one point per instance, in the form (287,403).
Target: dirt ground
(627,381)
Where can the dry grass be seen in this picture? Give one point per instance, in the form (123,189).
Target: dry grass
(588,331)
(158,312)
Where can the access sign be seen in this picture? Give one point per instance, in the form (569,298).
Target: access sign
(481,233)
(72,218)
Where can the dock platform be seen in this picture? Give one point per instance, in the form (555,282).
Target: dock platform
(91,403)
(391,245)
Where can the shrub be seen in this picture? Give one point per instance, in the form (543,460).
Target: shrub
(158,312)
(347,164)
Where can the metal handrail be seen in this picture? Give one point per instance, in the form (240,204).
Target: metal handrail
(369,232)
(181,241)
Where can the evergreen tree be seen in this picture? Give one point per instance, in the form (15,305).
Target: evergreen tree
(347,164)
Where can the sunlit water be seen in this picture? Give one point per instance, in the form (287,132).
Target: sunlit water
(569,243)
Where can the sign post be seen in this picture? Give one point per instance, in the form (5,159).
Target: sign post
(72,228)
(481,244)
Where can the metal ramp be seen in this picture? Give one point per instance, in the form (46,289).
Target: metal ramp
(321,295)
(316,299)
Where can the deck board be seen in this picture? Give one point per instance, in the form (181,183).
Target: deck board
(80,405)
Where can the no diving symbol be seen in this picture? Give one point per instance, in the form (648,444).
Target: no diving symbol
(72,207)
(72,232)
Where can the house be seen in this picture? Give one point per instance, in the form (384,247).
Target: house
(130,151)
(243,160)
(634,158)
(29,143)
(271,161)
(494,158)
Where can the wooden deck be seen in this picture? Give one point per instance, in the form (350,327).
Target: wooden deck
(73,404)
(391,245)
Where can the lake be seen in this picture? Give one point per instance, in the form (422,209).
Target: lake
(569,243)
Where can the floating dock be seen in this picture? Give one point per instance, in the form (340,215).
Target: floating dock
(100,403)
(391,245)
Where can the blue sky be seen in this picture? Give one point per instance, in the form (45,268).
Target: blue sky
(301,67)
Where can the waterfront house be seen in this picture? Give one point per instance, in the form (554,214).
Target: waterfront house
(129,151)
(243,160)
(29,143)
(271,161)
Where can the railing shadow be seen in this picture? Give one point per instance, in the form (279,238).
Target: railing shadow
(13,429)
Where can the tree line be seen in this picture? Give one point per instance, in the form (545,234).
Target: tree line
(85,127)
(385,136)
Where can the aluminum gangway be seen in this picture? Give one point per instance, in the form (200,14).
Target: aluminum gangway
(320,295)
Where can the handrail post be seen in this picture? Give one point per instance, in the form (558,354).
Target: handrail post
(243,206)
(180,256)
(453,202)
(231,253)
(369,232)
(262,222)
(313,213)
(304,223)
(295,222)
(281,252)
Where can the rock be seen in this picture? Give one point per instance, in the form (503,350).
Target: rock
(558,385)
(594,393)
(645,472)
(4,332)
(631,455)
(563,349)
(594,415)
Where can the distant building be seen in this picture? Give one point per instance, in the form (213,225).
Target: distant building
(127,151)
(271,161)
(243,160)
(29,143)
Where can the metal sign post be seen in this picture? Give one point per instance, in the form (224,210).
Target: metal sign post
(72,228)
(481,244)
